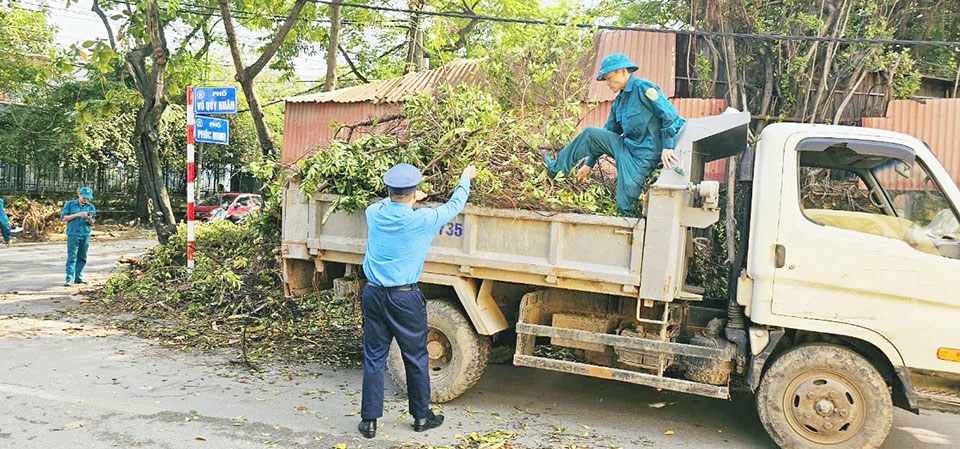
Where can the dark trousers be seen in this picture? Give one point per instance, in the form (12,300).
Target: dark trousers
(401,315)
(633,166)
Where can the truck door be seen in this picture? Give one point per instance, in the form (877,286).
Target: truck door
(869,237)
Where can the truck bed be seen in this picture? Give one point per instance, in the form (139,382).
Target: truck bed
(573,251)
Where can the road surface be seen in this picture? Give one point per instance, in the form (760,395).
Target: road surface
(66,381)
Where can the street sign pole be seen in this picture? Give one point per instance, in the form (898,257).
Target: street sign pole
(204,101)
(191,178)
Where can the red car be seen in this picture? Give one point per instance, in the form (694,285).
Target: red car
(227,206)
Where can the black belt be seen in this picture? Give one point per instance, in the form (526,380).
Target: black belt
(399,288)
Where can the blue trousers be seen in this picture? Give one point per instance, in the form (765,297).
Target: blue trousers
(76,256)
(633,166)
(401,315)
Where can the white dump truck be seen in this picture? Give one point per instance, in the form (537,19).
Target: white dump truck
(842,297)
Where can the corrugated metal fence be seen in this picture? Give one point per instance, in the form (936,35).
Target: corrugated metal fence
(935,122)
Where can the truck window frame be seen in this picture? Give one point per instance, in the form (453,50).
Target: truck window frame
(868,148)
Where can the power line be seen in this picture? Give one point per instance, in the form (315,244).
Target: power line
(775,37)
(699,33)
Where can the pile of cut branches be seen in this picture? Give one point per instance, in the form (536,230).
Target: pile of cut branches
(232,299)
(448,130)
(37,219)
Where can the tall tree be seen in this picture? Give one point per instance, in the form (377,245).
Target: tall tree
(143,78)
(151,83)
(246,75)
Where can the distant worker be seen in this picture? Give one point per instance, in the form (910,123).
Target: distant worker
(642,129)
(80,215)
(398,239)
(4,225)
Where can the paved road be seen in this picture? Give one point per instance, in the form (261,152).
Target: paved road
(65,382)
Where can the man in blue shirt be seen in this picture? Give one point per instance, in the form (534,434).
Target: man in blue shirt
(80,215)
(641,130)
(4,225)
(398,238)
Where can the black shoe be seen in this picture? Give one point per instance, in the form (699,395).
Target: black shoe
(368,428)
(421,425)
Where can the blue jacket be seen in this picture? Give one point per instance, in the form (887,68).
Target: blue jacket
(646,119)
(4,223)
(398,237)
(78,226)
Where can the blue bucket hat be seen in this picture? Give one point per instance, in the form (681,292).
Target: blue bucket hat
(613,62)
(86,192)
(402,179)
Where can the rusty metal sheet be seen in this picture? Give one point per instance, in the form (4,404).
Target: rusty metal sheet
(306,126)
(654,53)
(397,90)
(936,122)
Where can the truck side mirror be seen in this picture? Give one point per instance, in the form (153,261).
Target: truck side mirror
(902,169)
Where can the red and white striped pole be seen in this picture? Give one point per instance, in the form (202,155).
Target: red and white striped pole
(191,174)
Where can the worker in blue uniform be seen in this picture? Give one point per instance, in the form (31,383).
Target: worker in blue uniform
(640,131)
(398,238)
(4,225)
(80,215)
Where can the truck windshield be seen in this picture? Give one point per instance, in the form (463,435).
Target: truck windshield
(879,195)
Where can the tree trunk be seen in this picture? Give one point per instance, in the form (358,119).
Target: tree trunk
(414,60)
(330,82)
(151,85)
(247,75)
(264,136)
(140,210)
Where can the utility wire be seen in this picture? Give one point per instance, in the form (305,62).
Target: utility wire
(470,16)
(775,37)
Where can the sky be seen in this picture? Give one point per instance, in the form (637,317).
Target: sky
(77,24)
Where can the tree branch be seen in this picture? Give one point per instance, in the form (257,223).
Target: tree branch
(370,122)
(201,25)
(160,54)
(106,23)
(353,68)
(466,30)
(231,38)
(278,38)
(207,40)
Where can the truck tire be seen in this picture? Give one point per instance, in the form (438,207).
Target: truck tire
(458,355)
(823,395)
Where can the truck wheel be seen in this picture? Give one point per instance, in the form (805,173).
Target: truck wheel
(823,395)
(458,355)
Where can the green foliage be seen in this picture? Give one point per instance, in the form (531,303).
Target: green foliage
(646,12)
(29,59)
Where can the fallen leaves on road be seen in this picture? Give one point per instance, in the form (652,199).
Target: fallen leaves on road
(70,426)
(29,327)
(669,432)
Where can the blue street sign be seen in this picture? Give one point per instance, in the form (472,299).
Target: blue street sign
(215,100)
(212,130)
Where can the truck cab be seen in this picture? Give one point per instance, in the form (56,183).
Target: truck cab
(853,242)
